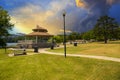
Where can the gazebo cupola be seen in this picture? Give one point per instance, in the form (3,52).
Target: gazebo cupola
(39,29)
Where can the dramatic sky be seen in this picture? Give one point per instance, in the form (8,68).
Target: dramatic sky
(81,15)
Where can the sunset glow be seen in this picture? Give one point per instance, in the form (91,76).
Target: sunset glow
(80,3)
(81,15)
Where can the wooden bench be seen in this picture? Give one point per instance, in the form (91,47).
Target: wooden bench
(17,52)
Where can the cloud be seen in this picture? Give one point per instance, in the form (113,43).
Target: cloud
(48,14)
(30,15)
(95,8)
(80,3)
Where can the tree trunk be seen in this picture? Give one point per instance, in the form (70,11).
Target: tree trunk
(105,39)
(5,49)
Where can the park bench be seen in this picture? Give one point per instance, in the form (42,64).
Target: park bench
(17,52)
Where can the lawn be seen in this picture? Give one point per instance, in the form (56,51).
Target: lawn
(112,49)
(52,67)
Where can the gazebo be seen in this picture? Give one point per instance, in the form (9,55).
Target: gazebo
(38,37)
(39,32)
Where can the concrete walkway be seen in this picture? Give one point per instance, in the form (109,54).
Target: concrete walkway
(78,55)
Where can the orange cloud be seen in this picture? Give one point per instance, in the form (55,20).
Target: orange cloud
(31,15)
(80,3)
(27,20)
(110,1)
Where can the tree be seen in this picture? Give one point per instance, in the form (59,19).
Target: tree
(106,28)
(119,33)
(5,26)
(58,38)
(88,35)
(74,36)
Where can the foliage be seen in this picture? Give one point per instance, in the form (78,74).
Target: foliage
(74,36)
(12,39)
(56,39)
(88,35)
(5,25)
(2,42)
(106,28)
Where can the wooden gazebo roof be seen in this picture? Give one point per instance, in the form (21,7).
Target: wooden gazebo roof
(39,31)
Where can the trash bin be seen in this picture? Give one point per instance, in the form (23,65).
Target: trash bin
(75,44)
(24,52)
(52,47)
(36,49)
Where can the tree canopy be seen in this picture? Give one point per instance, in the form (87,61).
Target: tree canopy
(5,26)
(106,28)
(73,36)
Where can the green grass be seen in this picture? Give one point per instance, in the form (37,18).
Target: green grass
(51,67)
(112,49)
(4,54)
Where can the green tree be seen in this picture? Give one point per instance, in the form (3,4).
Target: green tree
(58,38)
(5,26)
(119,33)
(88,35)
(74,36)
(106,28)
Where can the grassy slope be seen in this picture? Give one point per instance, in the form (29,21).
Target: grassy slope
(112,50)
(51,67)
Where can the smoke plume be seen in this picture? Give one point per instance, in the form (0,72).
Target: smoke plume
(95,8)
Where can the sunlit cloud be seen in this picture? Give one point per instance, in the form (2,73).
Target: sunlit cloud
(31,15)
(80,3)
(81,15)
(110,2)
(68,31)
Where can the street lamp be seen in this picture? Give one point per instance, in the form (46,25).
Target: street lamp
(64,14)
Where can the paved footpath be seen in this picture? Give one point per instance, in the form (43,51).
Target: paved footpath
(78,55)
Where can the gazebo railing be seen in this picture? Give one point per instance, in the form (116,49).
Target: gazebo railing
(32,43)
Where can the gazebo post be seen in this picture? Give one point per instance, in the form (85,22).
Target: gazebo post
(25,39)
(36,39)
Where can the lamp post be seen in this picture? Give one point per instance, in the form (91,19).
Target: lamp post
(64,14)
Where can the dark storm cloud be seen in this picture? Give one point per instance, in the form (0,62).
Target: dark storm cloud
(96,8)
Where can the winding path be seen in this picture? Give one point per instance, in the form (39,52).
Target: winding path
(78,55)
